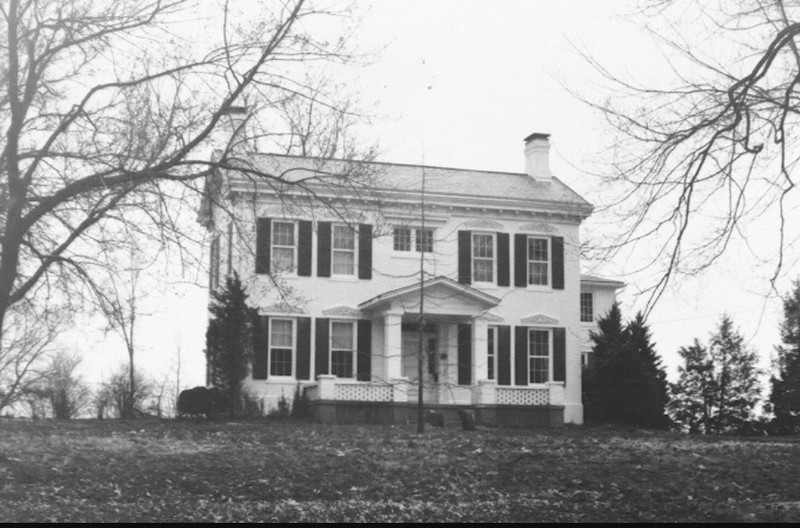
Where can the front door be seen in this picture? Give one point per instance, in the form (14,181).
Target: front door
(430,364)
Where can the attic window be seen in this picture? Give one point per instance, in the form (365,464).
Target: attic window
(406,238)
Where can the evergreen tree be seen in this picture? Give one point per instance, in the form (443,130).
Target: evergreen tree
(626,382)
(785,395)
(718,386)
(229,341)
(692,397)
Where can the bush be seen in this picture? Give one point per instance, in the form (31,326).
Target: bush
(200,400)
(301,405)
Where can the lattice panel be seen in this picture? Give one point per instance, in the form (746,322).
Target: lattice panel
(515,396)
(364,391)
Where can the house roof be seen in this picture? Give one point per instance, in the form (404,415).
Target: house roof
(593,280)
(455,185)
(458,289)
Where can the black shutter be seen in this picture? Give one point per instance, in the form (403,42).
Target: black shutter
(521,355)
(521,260)
(303,348)
(504,355)
(465,257)
(557,244)
(465,354)
(560,354)
(321,355)
(261,348)
(304,248)
(502,260)
(364,251)
(263,242)
(364,354)
(324,249)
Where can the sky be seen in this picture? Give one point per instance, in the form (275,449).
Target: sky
(460,84)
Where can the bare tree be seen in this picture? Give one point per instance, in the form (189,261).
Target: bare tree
(704,158)
(109,109)
(64,388)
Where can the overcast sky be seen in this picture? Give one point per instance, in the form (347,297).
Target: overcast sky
(460,84)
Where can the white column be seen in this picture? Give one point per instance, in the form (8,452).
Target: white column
(480,347)
(392,345)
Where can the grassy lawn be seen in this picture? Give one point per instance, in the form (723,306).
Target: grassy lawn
(271,471)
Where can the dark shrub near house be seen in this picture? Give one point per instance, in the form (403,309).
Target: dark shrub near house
(200,400)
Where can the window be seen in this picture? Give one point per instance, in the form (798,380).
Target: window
(538,356)
(284,245)
(344,250)
(538,261)
(342,348)
(483,262)
(491,352)
(281,347)
(587,307)
(420,239)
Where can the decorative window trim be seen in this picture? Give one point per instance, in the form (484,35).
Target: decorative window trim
(493,258)
(354,250)
(270,348)
(331,349)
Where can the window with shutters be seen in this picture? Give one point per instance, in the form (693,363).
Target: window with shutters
(409,240)
(284,247)
(483,257)
(343,348)
(343,250)
(538,261)
(587,307)
(282,347)
(491,353)
(539,356)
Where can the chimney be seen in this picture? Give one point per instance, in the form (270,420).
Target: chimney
(537,157)
(233,125)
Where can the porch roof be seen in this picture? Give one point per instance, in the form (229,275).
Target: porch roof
(456,292)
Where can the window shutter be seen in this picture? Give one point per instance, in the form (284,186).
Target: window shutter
(324,249)
(304,248)
(504,355)
(465,257)
(465,354)
(364,251)
(560,354)
(557,244)
(261,348)
(263,241)
(502,260)
(521,260)
(303,348)
(364,354)
(321,356)
(521,355)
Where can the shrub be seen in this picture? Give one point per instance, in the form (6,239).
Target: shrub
(301,405)
(200,400)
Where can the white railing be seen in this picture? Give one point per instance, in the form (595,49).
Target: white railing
(364,391)
(521,396)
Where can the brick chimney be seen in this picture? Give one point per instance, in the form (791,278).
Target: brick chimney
(537,157)
(233,125)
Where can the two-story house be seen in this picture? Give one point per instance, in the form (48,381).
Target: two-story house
(476,272)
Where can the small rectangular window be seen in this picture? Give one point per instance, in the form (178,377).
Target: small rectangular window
(342,349)
(587,307)
(538,261)
(344,250)
(284,246)
(483,257)
(539,356)
(491,352)
(423,240)
(402,239)
(281,347)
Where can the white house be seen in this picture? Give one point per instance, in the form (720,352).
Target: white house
(334,270)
